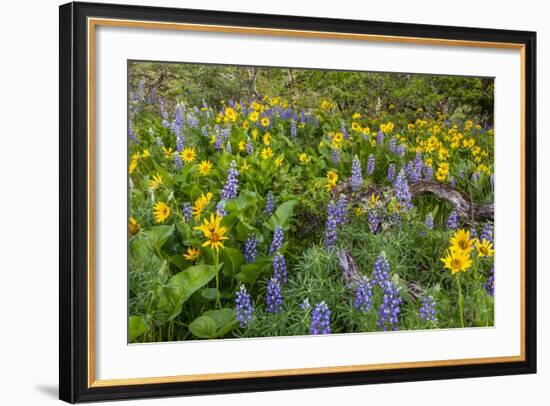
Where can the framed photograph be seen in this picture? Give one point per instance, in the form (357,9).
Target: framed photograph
(256,202)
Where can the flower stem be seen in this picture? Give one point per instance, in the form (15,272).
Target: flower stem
(217,268)
(460,301)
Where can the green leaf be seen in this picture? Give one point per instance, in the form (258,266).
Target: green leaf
(250,272)
(157,236)
(282,216)
(203,327)
(181,286)
(209,293)
(232,259)
(136,327)
(214,323)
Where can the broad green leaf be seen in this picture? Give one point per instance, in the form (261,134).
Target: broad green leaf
(136,327)
(250,272)
(214,323)
(232,259)
(282,216)
(203,327)
(181,286)
(209,293)
(156,237)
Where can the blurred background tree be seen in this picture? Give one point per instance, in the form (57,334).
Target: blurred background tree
(369,93)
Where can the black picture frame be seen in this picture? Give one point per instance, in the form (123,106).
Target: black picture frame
(73,256)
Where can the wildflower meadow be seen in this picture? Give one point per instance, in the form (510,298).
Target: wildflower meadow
(276,202)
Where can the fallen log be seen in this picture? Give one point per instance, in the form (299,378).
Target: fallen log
(462,204)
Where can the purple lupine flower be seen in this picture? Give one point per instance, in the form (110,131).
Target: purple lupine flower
(427,308)
(363,296)
(402,192)
(331,233)
(341,210)
(475,177)
(490,282)
(452,221)
(164,114)
(218,143)
(320,319)
(249,147)
(204,131)
(192,121)
(400,151)
(428,173)
(335,156)
(277,242)
(379,138)
(279,268)
(391,172)
(228,147)
(345,133)
(393,145)
(132,134)
(381,273)
(274,297)
(293,129)
(487,232)
(473,233)
(269,204)
(187,211)
(429,222)
(177,161)
(232,184)
(452,183)
(388,313)
(179,143)
(243,307)
(305,304)
(370,165)
(250,249)
(356,174)
(159,142)
(220,208)
(416,168)
(374,221)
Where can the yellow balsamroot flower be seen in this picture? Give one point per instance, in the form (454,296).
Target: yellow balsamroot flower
(245,167)
(254,116)
(213,232)
(168,152)
(133,226)
(230,114)
(212,139)
(156,182)
(133,165)
(145,153)
(373,201)
(304,158)
(264,121)
(484,248)
(457,260)
(356,116)
(267,153)
(242,145)
(461,240)
(332,177)
(245,125)
(410,126)
(204,167)
(192,254)
(468,125)
(279,161)
(441,174)
(201,203)
(429,162)
(358,211)
(255,134)
(188,154)
(338,138)
(161,212)
(267,139)
(355,126)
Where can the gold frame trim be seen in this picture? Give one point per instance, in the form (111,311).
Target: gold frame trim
(94,22)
